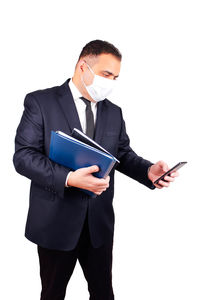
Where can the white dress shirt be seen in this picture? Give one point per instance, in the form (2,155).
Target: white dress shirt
(81,107)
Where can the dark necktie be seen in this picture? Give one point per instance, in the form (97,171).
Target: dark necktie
(89,118)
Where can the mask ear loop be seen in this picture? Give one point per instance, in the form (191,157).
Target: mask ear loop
(90,68)
(90,71)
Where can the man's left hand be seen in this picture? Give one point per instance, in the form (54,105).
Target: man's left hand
(158,170)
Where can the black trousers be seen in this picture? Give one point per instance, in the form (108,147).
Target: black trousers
(56,268)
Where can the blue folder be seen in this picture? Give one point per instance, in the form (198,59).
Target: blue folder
(74,154)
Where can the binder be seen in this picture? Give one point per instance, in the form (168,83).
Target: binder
(79,135)
(74,154)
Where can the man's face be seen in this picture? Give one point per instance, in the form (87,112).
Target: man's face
(105,65)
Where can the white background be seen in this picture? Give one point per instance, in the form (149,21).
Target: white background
(156,249)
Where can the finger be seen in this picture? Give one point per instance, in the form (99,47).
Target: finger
(174,174)
(169,178)
(163,165)
(163,183)
(102,189)
(158,186)
(98,193)
(108,179)
(92,169)
(102,182)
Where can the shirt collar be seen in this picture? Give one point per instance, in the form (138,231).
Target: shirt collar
(76,94)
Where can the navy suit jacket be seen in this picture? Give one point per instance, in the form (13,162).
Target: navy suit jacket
(56,214)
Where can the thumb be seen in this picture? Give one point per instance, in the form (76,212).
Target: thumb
(92,169)
(163,166)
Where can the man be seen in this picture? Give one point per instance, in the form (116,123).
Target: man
(63,221)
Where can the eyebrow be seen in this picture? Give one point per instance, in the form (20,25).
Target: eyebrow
(110,73)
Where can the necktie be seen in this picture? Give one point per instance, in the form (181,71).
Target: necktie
(89,118)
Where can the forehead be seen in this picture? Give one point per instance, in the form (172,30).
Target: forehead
(107,62)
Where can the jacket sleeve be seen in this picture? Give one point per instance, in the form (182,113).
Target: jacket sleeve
(131,164)
(29,158)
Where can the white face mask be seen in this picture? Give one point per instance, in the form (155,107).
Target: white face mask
(100,88)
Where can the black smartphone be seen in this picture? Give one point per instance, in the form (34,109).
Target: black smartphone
(175,168)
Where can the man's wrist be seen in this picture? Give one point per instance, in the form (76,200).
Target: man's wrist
(148,170)
(149,173)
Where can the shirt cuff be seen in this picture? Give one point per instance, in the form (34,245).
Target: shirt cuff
(66,185)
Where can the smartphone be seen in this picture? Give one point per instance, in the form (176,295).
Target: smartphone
(175,168)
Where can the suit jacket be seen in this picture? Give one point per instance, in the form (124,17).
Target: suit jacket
(56,214)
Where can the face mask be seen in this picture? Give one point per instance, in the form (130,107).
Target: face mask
(100,88)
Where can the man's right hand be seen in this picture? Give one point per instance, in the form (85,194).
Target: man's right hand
(83,178)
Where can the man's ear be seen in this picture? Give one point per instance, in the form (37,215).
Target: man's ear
(82,65)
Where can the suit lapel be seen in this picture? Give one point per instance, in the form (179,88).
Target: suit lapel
(68,106)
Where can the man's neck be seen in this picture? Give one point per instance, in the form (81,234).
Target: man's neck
(79,85)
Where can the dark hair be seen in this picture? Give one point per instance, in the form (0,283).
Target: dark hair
(98,47)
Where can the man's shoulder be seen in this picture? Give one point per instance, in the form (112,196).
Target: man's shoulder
(41,93)
(46,96)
